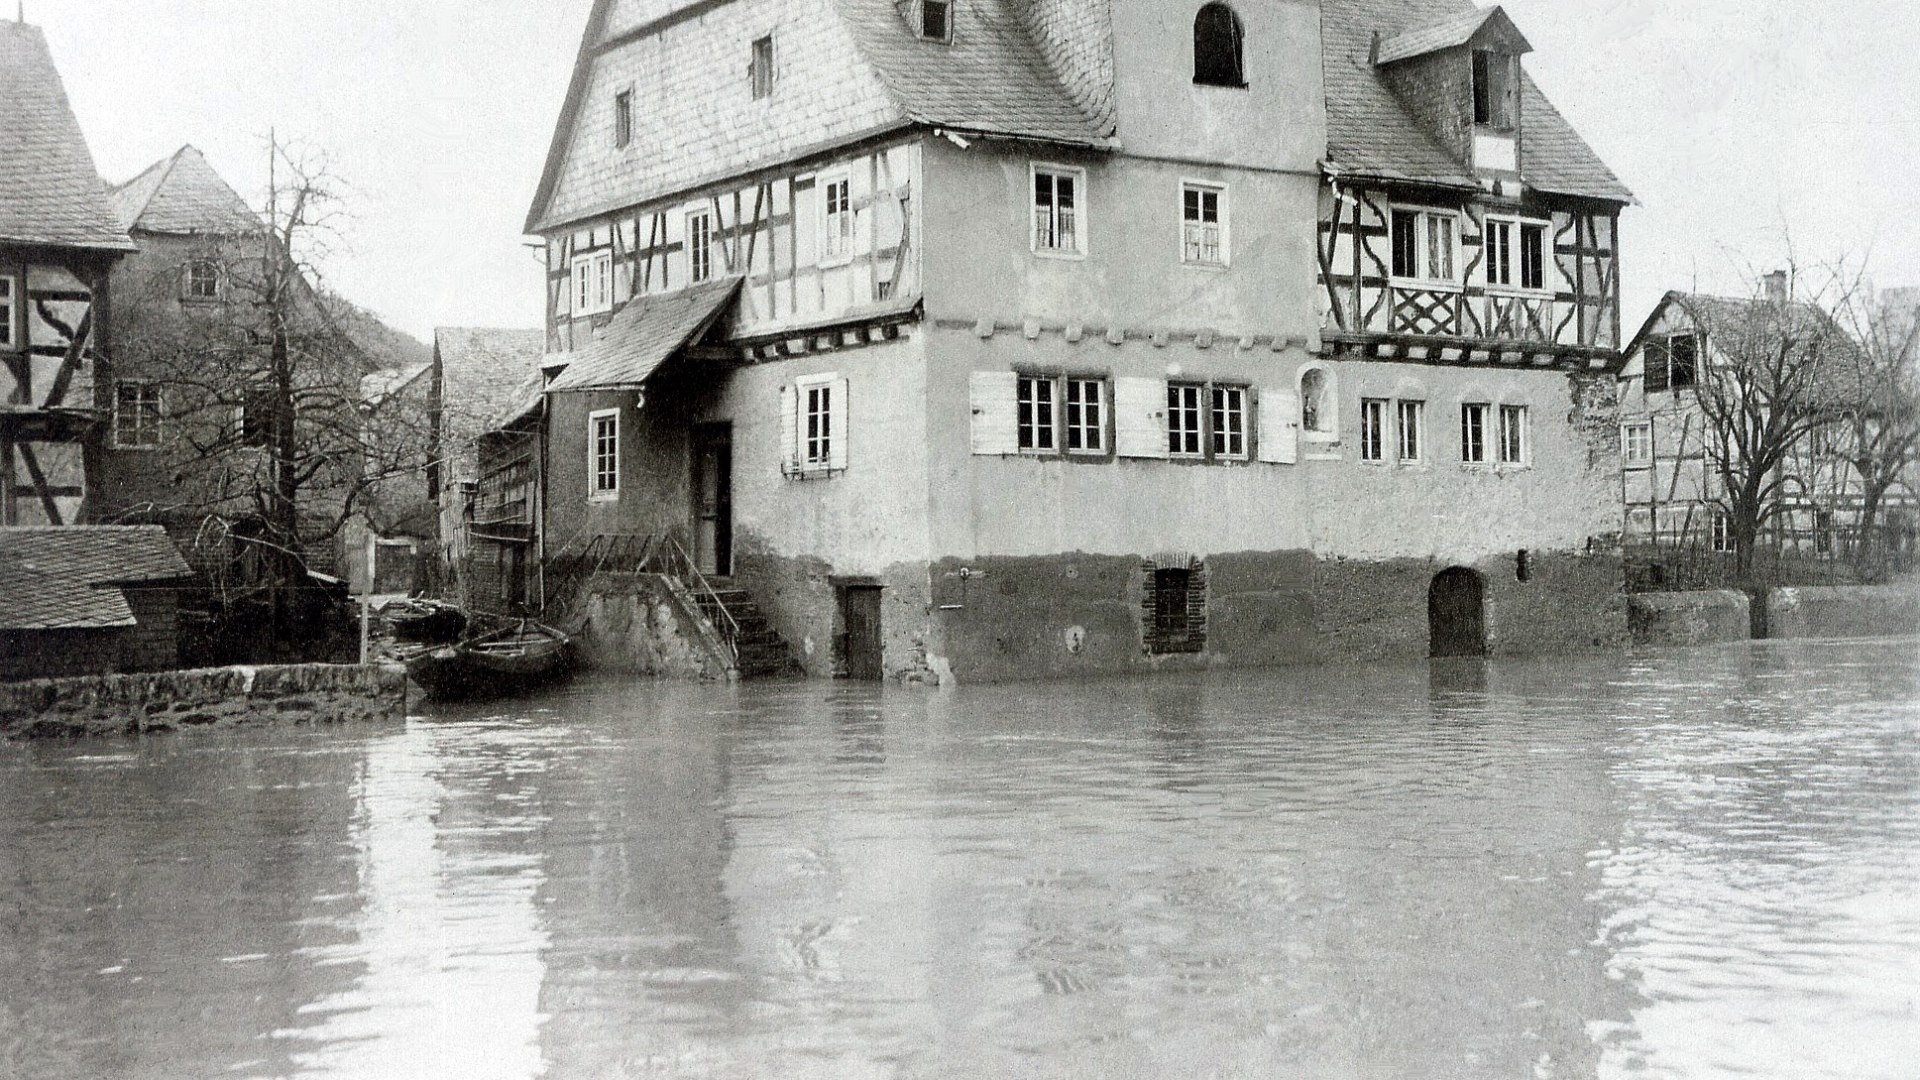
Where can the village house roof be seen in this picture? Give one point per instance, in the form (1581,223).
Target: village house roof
(1372,133)
(1732,318)
(181,194)
(50,192)
(483,373)
(865,72)
(643,335)
(69,577)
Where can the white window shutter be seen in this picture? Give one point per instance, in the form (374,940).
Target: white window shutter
(789,430)
(1279,426)
(993,396)
(1140,418)
(838,432)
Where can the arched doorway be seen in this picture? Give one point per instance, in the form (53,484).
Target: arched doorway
(1457,613)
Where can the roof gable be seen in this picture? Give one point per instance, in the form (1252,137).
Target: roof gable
(182,194)
(1487,26)
(1371,132)
(50,192)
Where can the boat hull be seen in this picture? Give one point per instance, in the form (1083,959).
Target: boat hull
(482,669)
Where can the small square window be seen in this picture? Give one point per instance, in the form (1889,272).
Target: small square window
(202,280)
(761,69)
(1057,226)
(1473,433)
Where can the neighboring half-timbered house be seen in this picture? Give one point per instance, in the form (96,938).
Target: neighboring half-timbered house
(1007,338)
(58,240)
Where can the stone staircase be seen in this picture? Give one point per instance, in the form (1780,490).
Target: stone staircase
(759,649)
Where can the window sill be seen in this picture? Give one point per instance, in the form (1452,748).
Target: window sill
(1519,292)
(604,497)
(1221,85)
(1065,254)
(820,472)
(1214,267)
(1430,286)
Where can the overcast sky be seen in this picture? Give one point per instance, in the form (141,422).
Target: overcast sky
(1736,122)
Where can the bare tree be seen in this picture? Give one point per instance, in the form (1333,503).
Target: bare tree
(1881,421)
(273,444)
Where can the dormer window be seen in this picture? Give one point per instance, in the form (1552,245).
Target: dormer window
(1496,81)
(936,20)
(1216,47)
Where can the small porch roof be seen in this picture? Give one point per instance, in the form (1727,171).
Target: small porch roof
(643,335)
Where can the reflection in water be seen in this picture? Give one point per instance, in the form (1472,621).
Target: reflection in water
(1694,863)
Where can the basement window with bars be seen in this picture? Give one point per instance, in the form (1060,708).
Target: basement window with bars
(1174,615)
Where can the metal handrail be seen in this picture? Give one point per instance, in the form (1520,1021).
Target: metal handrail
(731,634)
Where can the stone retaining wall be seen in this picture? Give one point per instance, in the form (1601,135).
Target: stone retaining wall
(638,624)
(1689,618)
(1843,611)
(208,697)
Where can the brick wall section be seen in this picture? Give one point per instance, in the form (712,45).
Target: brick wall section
(153,644)
(209,697)
(695,122)
(1076,37)
(1438,90)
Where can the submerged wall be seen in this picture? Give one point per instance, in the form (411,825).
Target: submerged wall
(1689,618)
(1843,611)
(207,697)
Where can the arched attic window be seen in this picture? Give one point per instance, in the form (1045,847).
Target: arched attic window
(1216,47)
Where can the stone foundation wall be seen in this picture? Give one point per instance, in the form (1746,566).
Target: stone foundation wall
(1689,618)
(800,596)
(1843,611)
(1050,616)
(207,697)
(638,625)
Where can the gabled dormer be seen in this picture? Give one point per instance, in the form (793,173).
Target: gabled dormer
(1460,77)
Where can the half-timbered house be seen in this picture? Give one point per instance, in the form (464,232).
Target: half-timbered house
(58,241)
(1002,338)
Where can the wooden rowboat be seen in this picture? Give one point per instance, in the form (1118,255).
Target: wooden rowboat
(520,657)
(427,621)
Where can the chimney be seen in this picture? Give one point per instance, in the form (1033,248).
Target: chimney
(1776,284)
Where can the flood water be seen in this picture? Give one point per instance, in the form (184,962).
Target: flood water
(1695,863)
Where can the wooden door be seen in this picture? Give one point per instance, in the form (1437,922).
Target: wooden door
(860,614)
(1456,613)
(713,500)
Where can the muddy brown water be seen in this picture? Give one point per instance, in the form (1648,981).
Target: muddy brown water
(1689,863)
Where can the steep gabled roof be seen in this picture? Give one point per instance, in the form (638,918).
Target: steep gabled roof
(50,192)
(1370,132)
(1450,33)
(54,578)
(181,194)
(483,367)
(1731,317)
(869,72)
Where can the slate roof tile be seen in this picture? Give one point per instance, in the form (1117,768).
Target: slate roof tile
(643,335)
(484,372)
(67,577)
(50,192)
(182,194)
(1370,132)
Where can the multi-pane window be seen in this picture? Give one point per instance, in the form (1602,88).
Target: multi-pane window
(1671,362)
(1411,428)
(1184,419)
(9,304)
(1229,422)
(1494,83)
(136,415)
(1373,429)
(816,430)
(1722,532)
(1516,255)
(1636,444)
(1086,409)
(1513,435)
(622,118)
(593,282)
(760,70)
(1424,244)
(603,448)
(1473,433)
(202,280)
(699,246)
(1036,413)
(836,220)
(1056,209)
(1203,224)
